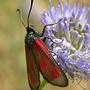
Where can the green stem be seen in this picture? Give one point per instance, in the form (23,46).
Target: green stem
(44,82)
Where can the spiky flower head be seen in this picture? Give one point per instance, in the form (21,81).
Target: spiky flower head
(69,37)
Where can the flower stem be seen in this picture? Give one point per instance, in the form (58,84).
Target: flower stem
(44,82)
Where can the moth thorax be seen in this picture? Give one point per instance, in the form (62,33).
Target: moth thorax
(29,40)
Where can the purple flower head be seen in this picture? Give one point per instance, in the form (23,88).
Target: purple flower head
(69,37)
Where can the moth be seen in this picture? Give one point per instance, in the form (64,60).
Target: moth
(39,59)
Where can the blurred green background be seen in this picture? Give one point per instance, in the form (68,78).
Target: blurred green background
(13,73)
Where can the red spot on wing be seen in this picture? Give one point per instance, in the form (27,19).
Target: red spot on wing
(31,67)
(43,64)
(55,73)
(33,80)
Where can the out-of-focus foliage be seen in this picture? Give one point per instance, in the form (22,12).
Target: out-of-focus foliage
(13,74)
(12,58)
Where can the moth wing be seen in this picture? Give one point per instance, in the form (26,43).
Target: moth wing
(49,69)
(32,70)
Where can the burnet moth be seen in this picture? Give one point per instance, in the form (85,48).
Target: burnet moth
(39,59)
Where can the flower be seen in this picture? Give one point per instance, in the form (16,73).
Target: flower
(69,37)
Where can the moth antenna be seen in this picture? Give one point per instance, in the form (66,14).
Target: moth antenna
(46,27)
(49,25)
(29,12)
(18,10)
